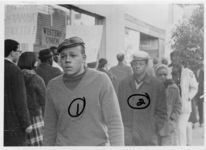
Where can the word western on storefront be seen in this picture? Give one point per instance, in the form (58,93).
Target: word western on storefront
(51,37)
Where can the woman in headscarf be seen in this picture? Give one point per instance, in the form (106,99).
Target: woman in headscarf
(168,134)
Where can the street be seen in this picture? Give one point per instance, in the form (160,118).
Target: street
(198,136)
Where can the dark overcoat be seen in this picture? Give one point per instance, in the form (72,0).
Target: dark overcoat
(16,114)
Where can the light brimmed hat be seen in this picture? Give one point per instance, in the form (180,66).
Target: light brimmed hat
(70,42)
(140,55)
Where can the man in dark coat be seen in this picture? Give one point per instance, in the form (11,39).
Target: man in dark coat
(45,69)
(121,70)
(143,104)
(200,95)
(16,115)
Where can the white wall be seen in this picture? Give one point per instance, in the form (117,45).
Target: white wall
(154,14)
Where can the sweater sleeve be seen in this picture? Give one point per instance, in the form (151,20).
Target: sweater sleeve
(160,113)
(174,96)
(50,120)
(111,113)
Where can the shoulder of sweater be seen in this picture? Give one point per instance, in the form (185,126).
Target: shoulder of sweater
(94,72)
(99,75)
(55,81)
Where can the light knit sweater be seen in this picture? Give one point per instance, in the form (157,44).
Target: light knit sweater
(100,121)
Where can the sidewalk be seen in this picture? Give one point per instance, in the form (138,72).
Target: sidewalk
(198,136)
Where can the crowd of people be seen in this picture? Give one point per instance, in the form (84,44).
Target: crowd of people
(60,100)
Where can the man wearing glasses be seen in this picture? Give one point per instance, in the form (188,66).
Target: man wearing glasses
(16,114)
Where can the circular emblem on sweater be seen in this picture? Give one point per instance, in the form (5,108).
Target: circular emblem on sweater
(76,107)
(138,101)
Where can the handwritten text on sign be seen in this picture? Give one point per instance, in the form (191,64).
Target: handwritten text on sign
(51,37)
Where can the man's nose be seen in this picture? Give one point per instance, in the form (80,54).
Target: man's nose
(68,59)
(137,66)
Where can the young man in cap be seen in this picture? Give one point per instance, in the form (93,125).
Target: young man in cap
(81,108)
(142,103)
(16,115)
(45,69)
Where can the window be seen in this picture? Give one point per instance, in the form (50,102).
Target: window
(77,16)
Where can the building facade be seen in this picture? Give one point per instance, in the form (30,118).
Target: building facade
(107,29)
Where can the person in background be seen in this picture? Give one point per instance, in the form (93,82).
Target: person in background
(200,94)
(142,104)
(55,53)
(16,115)
(102,66)
(164,61)
(36,95)
(187,83)
(55,62)
(175,61)
(168,134)
(82,107)
(45,69)
(150,69)
(192,121)
(92,65)
(121,70)
(155,62)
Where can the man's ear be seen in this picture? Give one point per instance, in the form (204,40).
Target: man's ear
(11,53)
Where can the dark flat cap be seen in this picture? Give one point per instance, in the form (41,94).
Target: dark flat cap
(45,53)
(70,42)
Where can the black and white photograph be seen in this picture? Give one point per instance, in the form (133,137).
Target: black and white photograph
(103,74)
